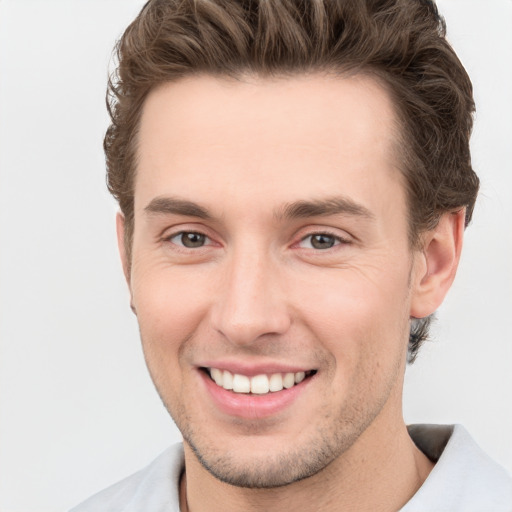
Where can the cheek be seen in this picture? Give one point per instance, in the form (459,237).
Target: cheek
(341,295)
(169,307)
(366,334)
(350,312)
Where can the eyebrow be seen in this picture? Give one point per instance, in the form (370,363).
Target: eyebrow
(295,210)
(323,208)
(175,206)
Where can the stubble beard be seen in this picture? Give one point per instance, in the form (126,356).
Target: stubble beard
(335,433)
(297,459)
(294,462)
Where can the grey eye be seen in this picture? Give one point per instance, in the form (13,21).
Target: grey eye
(189,239)
(322,241)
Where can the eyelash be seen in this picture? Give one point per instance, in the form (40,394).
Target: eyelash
(181,233)
(337,240)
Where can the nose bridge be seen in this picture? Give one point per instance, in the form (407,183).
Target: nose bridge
(251,302)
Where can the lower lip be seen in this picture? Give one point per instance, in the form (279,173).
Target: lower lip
(252,406)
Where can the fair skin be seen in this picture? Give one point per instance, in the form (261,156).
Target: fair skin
(271,239)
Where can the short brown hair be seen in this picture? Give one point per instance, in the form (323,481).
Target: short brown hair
(400,42)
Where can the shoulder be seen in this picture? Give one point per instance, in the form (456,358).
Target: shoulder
(153,488)
(464,478)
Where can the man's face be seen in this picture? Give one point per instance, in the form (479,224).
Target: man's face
(271,242)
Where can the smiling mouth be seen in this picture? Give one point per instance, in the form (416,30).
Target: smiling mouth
(259,384)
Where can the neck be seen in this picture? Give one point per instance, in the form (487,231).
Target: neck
(379,473)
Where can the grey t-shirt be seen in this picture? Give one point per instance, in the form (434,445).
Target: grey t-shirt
(464,479)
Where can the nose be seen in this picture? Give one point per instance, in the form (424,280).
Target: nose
(251,303)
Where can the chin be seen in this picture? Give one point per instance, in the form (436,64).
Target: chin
(266,468)
(263,471)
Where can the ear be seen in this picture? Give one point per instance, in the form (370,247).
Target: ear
(437,264)
(122,247)
(120,227)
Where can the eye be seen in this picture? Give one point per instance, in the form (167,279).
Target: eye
(189,239)
(320,241)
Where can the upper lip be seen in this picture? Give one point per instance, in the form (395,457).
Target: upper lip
(252,369)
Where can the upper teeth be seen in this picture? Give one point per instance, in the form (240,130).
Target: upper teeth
(259,384)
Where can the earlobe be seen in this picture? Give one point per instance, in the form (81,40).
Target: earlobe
(439,261)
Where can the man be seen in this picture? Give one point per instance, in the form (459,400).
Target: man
(294,180)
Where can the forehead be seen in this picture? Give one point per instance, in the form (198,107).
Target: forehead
(256,138)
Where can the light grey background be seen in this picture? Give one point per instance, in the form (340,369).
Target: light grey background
(77,408)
